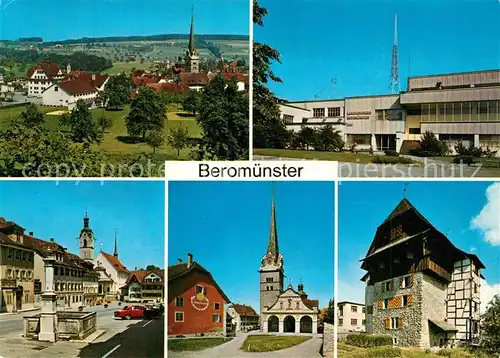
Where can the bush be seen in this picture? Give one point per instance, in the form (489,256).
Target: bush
(429,143)
(391,153)
(472,151)
(368,340)
(490,154)
(464,159)
(379,159)
(421,153)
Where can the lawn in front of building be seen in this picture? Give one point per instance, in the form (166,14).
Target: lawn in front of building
(116,140)
(348,351)
(194,344)
(485,162)
(268,343)
(360,158)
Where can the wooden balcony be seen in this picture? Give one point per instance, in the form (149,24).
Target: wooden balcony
(426,264)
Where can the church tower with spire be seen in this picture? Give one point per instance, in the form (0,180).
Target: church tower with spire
(115,252)
(192,60)
(86,241)
(271,270)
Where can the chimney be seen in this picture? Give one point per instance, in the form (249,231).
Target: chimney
(135,268)
(93,77)
(179,261)
(190,260)
(52,239)
(31,233)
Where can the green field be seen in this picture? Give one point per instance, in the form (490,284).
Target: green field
(116,140)
(119,67)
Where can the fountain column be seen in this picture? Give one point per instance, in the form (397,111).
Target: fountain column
(48,316)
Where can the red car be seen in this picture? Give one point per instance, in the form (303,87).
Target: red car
(129,312)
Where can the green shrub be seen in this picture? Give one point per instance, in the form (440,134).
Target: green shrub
(421,153)
(391,153)
(379,159)
(472,151)
(454,353)
(368,340)
(464,159)
(376,352)
(429,143)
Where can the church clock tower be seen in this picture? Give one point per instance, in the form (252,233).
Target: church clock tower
(192,59)
(86,241)
(271,270)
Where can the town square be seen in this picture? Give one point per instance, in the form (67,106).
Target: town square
(75,286)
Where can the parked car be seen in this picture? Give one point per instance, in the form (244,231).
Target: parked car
(129,312)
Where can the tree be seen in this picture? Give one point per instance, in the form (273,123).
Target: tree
(224,119)
(117,91)
(155,139)
(147,113)
(82,124)
(104,123)
(432,145)
(31,116)
(490,340)
(190,102)
(330,313)
(305,137)
(34,151)
(269,130)
(152,268)
(178,138)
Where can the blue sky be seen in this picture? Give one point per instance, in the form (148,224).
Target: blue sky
(225,225)
(64,19)
(51,209)
(352,42)
(450,206)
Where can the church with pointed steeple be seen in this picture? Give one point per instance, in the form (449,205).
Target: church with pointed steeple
(282,310)
(192,60)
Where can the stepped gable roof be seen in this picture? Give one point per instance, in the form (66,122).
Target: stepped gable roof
(244,310)
(50,69)
(117,264)
(77,86)
(178,271)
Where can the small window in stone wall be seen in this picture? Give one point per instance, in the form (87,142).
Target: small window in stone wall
(369,309)
(341,321)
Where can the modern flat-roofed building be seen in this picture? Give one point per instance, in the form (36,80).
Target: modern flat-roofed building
(455,107)
(351,317)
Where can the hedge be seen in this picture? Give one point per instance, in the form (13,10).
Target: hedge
(379,159)
(368,340)
(376,352)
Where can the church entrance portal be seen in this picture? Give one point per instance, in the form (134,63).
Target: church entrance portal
(273,324)
(306,324)
(289,324)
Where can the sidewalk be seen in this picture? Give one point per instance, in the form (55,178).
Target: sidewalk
(19,312)
(20,347)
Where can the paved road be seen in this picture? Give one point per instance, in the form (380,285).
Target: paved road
(430,169)
(232,349)
(134,338)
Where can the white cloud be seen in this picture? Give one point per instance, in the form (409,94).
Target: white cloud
(488,220)
(487,293)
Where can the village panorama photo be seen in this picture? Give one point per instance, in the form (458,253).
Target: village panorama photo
(154,81)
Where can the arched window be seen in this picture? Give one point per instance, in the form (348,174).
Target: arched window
(84,242)
(298,305)
(281,305)
(289,303)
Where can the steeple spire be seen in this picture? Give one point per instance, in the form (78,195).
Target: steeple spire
(272,246)
(191,34)
(115,253)
(86,219)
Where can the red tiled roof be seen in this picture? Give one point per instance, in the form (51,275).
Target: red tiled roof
(5,224)
(115,262)
(142,80)
(240,77)
(311,303)
(192,79)
(77,86)
(141,274)
(244,310)
(171,87)
(94,79)
(50,69)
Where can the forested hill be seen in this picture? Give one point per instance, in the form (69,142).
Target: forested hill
(164,37)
